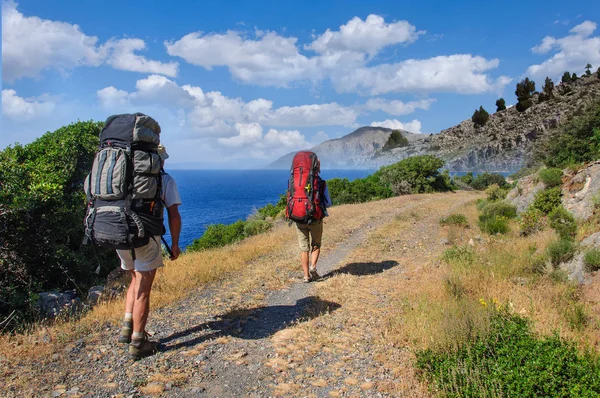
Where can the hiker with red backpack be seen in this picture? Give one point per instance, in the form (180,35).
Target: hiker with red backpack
(307,203)
(127,191)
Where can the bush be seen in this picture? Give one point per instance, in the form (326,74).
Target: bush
(484,180)
(500,105)
(42,206)
(511,361)
(417,174)
(560,251)
(358,191)
(591,259)
(575,143)
(494,193)
(271,210)
(563,222)
(255,227)
(499,209)
(396,140)
(454,219)
(524,92)
(547,200)
(494,225)
(531,221)
(480,117)
(566,77)
(494,217)
(551,177)
(459,254)
(218,235)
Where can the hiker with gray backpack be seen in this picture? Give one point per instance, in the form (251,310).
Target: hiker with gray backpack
(307,203)
(127,191)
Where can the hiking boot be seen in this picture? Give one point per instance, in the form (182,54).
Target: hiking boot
(314,275)
(126,331)
(142,348)
(306,279)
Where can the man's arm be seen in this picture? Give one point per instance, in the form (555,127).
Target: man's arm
(175,229)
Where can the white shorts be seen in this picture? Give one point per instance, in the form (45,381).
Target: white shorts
(147,258)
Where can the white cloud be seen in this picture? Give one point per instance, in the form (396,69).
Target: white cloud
(248,135)
(396,107)
(571,53)
(215,114)
(584,29)
(368,36)
(32,44)
(311,115)
(461,73)
(24,109)
(270,59)
(343,56)
(111,97)
(413,126)
(120,54)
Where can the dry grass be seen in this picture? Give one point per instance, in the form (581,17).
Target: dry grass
(425,302)
(259,260)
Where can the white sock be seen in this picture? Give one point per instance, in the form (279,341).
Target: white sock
(128,316)
(137,335)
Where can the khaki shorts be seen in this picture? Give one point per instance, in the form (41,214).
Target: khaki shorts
(147,258)
(315,229)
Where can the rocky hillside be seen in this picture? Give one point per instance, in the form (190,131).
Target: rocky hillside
(354,150)
(505,143)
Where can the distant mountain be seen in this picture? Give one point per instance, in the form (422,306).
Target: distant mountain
(352,151)
(505,143)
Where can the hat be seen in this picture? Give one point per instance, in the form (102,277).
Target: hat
(162,152)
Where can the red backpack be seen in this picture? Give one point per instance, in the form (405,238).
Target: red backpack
(304,189)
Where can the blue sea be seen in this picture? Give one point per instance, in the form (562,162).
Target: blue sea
(225,196)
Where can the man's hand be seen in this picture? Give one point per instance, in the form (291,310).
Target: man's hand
(176,252)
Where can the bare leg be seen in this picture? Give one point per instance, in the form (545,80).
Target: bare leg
(141,306)
(304,261)
(130,294)
(315,256)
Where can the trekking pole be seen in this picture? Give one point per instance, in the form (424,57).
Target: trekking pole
(167,246)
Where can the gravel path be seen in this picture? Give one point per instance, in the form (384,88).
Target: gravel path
(202,355)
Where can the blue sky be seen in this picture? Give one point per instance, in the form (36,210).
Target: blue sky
(236,84)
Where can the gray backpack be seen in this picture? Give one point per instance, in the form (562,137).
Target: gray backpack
(123,190)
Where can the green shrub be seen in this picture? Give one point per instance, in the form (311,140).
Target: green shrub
(417,174)
(42,206)
(255,227)
(494,193)
(481,203)
(560,251)
(511,361)
(358,191)
(547,200)
(218,235)
(459,254)
(499,209)
(454,219)
(563,222)
(494,225)
(531,221)
(494,217)
(551,177)
(480,117)
(591,259)
(484,180)
(575,143)
(271,210)
(396,140)
(500,105)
